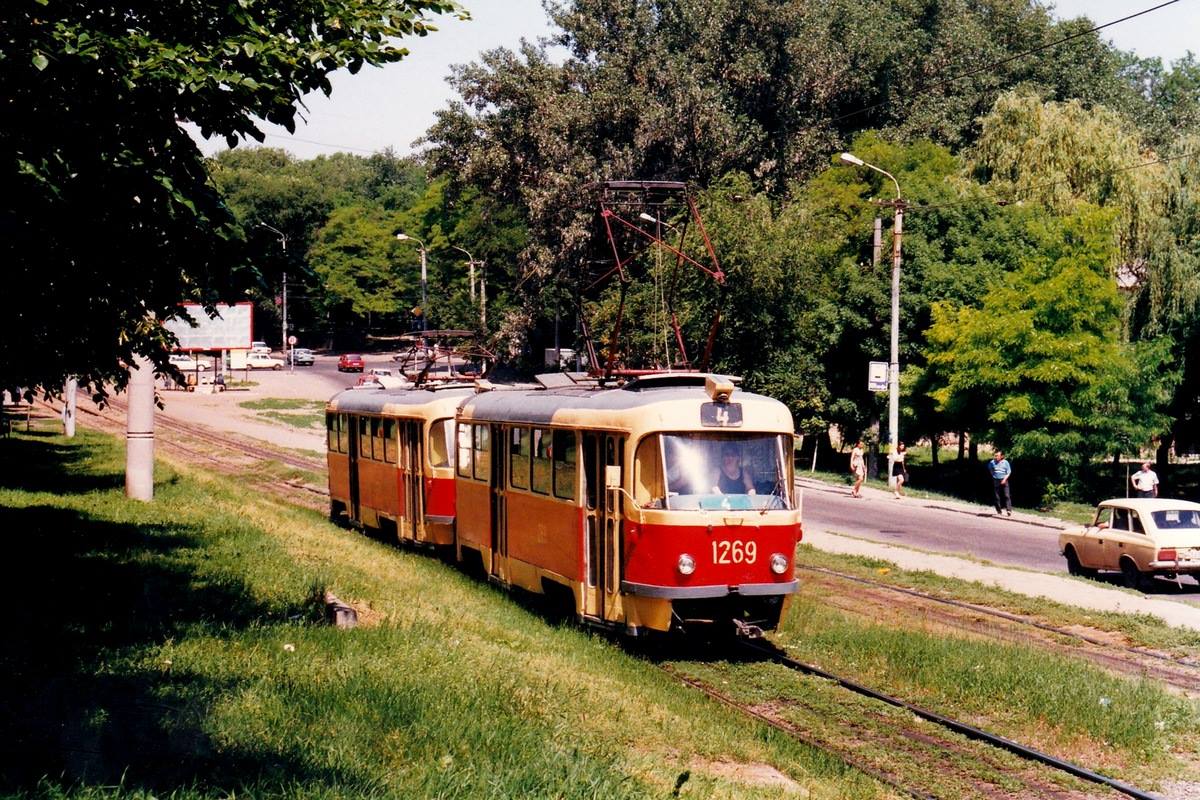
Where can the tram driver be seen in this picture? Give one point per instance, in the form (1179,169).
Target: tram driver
(732,477)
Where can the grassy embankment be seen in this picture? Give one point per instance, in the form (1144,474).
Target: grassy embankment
(303,414)
(172,648)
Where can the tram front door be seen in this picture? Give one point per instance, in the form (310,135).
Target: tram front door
(499,511)
(603,523)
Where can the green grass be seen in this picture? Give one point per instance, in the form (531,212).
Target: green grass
(1141,630)
(170,648)
(295,413)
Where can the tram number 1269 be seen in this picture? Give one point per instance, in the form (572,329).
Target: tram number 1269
(735,552)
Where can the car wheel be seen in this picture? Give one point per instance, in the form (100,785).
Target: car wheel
(276,367)
(1133,578)
(1074,567)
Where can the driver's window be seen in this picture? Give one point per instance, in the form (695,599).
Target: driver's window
(1120,519)
(1135,522)
(1103,518)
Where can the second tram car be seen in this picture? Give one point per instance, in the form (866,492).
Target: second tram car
(664,504)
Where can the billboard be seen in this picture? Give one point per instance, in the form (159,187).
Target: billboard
(232,329)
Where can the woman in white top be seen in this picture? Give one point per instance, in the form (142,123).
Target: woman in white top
(858,468)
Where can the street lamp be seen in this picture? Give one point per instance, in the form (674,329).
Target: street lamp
(404,237)
(283,344)
(894,365)
(471,262)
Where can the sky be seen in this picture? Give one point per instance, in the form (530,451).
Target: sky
(393,106)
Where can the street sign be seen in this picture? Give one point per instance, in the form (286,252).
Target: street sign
(877,376)
(292,340)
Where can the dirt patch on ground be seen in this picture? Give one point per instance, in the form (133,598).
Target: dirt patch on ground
(749,774)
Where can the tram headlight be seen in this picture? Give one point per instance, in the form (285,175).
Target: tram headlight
(779,563)
(687,564)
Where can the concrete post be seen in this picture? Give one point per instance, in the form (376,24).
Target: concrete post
(68,412)
(139,431)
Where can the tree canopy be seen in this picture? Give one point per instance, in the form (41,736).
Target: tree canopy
(108,219)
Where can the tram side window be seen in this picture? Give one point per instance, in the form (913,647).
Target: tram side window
(647,474)
(331,432)
(377,439)
(542,468)
(563,452)
(464,450)
(518,457)
(439,443)
(483,452)
(389,441)
(343,433)
(364,438)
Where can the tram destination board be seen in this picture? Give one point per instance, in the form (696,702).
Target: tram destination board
(721,415)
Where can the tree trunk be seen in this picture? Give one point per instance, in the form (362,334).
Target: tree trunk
(935,444)
(973,451)
(962,443)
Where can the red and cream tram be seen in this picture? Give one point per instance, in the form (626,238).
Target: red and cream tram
(390,457)
(665,504)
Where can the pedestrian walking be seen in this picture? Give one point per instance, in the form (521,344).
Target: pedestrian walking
(858,468)
(1145,481)
(899,471)
(1001,471)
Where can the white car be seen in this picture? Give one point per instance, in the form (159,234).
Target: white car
(262,361)
(260,347)
(185,363)
(1138,537)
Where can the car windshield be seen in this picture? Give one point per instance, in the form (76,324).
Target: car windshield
(1176,519)
(724,471)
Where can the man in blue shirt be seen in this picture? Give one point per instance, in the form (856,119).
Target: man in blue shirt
(1001,470)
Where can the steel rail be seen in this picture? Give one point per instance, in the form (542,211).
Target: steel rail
(970,731)
(794,733)
(1183,662)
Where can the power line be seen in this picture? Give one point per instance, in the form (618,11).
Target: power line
(1003,61)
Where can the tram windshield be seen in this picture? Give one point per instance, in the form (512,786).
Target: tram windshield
(714,471)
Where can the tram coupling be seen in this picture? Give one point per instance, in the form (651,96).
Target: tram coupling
(744,630)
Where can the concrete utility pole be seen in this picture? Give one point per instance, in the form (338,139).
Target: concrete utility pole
(68,412)
(894,363)
(404,237)
(139,431)
(283,339)
(471,262)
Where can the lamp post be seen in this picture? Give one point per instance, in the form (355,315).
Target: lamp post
(404,237)
(471,262)
(283,342)
(894,364)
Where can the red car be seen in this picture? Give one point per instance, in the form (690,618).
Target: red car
(350,363)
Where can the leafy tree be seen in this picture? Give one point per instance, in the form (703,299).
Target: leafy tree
(358,260)
(108,216)
(1044,354)
(1058,155)
(697,89)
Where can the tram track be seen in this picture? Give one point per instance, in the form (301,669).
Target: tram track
(1182,674)
(970,758)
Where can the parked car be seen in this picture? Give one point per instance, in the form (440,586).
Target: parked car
(186,363)
(350,362)
(262,361)
(260,347)
(1138,537)
(301,356)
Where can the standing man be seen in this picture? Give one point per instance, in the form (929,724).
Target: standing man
(1145,482)
(1001,471)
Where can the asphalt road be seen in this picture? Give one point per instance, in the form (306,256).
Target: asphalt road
(929,525)
(954,529)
